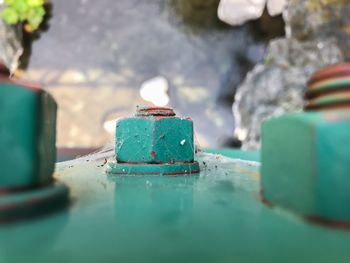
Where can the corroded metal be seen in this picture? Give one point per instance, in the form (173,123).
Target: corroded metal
(154,111)
(329,88)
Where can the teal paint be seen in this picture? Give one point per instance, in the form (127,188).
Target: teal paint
(154,141)
(28,152)
(115,168)
(306,155)
(32,203)
(27,136)
(214,217)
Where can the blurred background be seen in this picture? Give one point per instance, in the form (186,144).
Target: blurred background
(100,59)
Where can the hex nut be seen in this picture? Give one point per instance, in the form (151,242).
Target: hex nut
(154,139)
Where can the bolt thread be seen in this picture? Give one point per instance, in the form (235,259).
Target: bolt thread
(154,111)
(329,88)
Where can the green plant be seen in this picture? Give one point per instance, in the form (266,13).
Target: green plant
(30,12)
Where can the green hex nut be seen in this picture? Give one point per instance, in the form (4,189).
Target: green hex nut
(154,141)
(306,155)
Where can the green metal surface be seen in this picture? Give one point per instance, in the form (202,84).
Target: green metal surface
(308,171)
(28,128)
(152,169)
(306,155)
(32,203)
(214,217)
(27,151)
(154,141)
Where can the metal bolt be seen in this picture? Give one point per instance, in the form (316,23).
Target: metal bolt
(27,150)
(154,111)
(329,88)
(154,141)
(309,171)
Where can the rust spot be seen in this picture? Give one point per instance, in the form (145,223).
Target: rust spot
(153,153)
(344,225)
(329,88)
(5,191)
(329,72)
(163,173)
(335,105)
(155,111)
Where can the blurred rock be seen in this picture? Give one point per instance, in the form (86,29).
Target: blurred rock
(237,12)
(276,7)
(10,45)
(96,55)
(315,19)
(197,14)
(155,90)
(277,86)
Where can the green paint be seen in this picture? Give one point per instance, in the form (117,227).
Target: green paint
(154,141)
(306,163)
(134,140)
(216,217)
(151,169)
(28,153)
(35,202)
(173,140)
(27,136)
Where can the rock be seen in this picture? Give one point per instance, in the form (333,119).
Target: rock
(315,19)
(278,85)
(198,14)
(155,90)
(10,45)
(276,7)
(237,12)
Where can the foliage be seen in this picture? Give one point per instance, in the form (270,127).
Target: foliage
(31,12)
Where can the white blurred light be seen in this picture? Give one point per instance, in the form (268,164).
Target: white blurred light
(109,126)
(241,134)
(155,91)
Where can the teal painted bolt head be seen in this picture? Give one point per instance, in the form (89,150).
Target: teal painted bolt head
(155,141)
(27,151)
(27,135)
(306,156)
